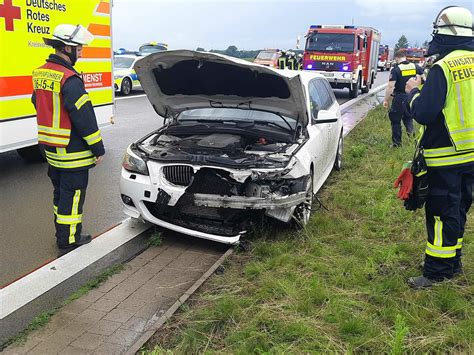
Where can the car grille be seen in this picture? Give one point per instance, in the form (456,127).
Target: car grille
(179,174)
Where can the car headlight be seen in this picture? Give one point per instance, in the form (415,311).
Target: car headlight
(133,163)
(346,75)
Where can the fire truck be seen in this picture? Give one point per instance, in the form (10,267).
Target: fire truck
(385,57)
(416,55)
(268,57)
(23,24)
(346,55)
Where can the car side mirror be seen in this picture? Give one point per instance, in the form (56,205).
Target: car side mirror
(325,116)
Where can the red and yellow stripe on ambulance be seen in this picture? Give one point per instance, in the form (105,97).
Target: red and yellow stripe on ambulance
(23,24)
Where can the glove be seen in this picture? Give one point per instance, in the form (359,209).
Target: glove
(404,182)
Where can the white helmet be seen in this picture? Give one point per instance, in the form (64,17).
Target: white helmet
(454,21)
(69,35)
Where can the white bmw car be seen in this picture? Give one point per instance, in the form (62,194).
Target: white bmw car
(240,140)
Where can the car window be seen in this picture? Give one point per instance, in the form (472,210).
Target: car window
(331,95)
(315,100)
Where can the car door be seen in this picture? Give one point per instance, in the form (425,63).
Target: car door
(334,128)
(317,144)
(328,119)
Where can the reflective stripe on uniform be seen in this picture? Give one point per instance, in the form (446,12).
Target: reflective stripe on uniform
(93,138)
(82,100)
(438,231)
(459,245)
(414,98)
(74,212)
(56,109)
(64,156)
(55,209)
(450,160)
(58,131)
(71,164)
(42,138)
(437,252)
(66,219)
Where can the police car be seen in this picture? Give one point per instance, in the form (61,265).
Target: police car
(125,78)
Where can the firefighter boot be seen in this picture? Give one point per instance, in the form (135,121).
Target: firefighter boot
(83,239)
(420,282)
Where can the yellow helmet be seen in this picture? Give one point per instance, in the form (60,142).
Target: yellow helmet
(454,21)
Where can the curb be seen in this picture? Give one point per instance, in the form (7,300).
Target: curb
(156,323)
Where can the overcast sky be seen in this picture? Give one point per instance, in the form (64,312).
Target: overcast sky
(256,24)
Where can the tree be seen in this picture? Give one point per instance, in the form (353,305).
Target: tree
(426,44)
(200,49)
(232,51)
(402,43)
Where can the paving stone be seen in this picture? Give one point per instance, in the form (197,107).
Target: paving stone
(65,335)
(121,292)
(105,327)
(70,350)
(157,306)
(132,304)
(203,263)
(123,337)
(185,259)
(76,307)
(92,296)
(90,316)
(135,324)
(49,347)
(88,341)
(111,349)
(119,315)
(106,286)
(104,304)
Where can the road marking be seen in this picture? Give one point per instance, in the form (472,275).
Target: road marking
(129,97)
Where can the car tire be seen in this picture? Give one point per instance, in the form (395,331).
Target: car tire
(339,153)
(126,87)
(302,212)
(32,154)
(354,90)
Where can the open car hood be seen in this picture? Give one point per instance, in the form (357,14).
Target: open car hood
(176,81)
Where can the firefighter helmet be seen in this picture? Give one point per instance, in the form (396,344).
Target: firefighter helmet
(69,35)
(454,21)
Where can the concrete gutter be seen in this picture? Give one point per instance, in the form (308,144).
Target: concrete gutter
(48,286)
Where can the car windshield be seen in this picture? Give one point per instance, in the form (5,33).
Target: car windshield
(330,42)
(267,55)
(152,49)
(232,114)
(381,50)
(123,62)
(414,53)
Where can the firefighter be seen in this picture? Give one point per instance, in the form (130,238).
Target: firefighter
(399,75)
(67,129)
(282,61)
(445,108)
(291,62)
(300,61)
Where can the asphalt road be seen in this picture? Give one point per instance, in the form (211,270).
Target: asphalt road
(26,220)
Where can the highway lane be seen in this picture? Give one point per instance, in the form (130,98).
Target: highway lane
(26,221)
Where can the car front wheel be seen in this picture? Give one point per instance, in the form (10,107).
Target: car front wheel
(303,210)
(339,153)
(126,87)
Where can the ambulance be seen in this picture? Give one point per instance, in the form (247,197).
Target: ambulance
(23,24)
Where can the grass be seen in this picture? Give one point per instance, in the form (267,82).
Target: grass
(43,318)
(340,284)
(155,239)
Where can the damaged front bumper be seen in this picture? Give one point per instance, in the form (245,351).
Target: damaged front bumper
(210,214)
